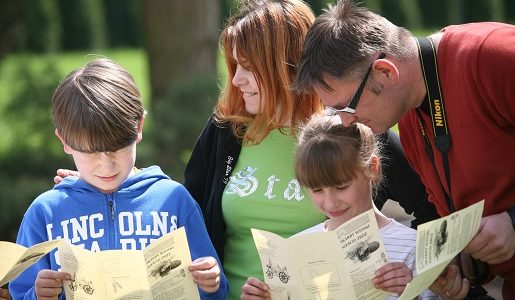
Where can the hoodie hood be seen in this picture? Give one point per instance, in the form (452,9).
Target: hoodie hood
(141,180)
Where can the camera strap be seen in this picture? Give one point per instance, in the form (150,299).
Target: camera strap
(435,102)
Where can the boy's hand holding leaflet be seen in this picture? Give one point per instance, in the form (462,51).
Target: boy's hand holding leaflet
(158,272)
(14,258)
(438,242)
(338,264)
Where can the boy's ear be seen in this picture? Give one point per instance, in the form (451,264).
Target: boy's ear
(140,130)
(67,148)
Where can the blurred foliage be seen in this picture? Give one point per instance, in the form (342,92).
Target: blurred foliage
(228,8)
(33,151)
(183,123)
(434,14)
(182,53)
(43,27)
(52,25)
(85,24)
(123,23)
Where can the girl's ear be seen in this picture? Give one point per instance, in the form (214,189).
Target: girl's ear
(374,167)
(67,148)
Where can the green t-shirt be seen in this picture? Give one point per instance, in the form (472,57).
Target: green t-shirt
(262,193)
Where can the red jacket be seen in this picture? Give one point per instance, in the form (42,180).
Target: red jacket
(476,68)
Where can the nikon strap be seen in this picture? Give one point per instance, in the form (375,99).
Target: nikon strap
(436,106)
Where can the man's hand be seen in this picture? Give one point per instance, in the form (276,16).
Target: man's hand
(450,285)
(494,243)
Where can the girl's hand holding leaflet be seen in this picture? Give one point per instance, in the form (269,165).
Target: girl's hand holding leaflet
(393,277)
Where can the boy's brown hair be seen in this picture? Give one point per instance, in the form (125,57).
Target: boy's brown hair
(97,108)
(330,154)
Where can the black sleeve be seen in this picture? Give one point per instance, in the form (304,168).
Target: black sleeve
(213,157)
(401,183)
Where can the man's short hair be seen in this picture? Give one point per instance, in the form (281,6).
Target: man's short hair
(341,43)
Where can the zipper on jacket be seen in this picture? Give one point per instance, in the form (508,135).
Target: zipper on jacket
(111,212)
(110,204)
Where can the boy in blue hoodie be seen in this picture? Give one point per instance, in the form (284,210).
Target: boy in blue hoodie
(98,115)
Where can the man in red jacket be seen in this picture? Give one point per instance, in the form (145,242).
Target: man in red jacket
(368,70)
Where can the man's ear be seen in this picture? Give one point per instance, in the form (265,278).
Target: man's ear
(140,130)
(385,72)
(66,148)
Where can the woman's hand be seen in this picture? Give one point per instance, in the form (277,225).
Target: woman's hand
(63,173)
(255,289)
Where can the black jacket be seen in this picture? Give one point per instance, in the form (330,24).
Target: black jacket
(216,152)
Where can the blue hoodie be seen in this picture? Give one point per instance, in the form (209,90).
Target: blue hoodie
(147,205)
